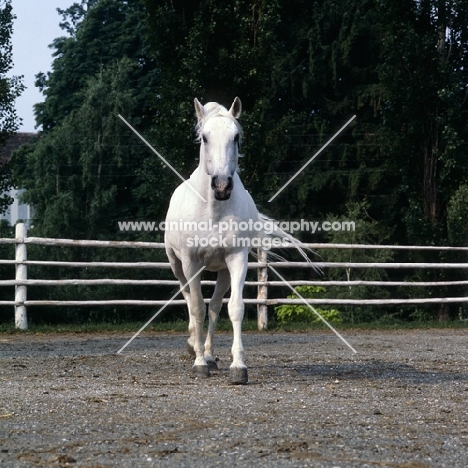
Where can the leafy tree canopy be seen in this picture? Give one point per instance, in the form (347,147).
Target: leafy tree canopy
(10,89)
(101,32)
(85,170)
(302,68)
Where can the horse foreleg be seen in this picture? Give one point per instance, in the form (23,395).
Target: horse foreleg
(197,312)
(176,266)
(216,302)
(238,269)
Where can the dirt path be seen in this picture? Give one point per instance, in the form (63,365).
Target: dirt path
(70,400)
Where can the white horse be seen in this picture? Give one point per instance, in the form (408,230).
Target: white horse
(201,244)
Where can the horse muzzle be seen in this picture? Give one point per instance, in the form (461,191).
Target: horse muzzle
(222,187)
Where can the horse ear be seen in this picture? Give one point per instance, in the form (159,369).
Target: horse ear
(199,109)
(236,108)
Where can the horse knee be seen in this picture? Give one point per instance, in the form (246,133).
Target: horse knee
(236,312)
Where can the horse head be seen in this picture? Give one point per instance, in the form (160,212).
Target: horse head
(220,135)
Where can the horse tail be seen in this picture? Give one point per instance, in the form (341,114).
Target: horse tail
(272,231)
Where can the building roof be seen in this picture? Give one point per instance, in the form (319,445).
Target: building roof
(13,143)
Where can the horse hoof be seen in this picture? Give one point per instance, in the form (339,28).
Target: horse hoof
(190,350)
(201,371)
(212,366)
(238,376)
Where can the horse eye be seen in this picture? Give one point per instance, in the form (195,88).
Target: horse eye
(205,140)
(236,138)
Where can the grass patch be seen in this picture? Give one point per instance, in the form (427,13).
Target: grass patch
(96,327)
(374,325)
(224,325)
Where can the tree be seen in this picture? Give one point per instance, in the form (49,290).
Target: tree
(213,50)
(10,89)
(100,32)
(82,176)
(300,69)
(326,74)
(366,231)
(425,112)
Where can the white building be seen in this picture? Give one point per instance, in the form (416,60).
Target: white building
(17,210)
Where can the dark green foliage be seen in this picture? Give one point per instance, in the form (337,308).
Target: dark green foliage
(83,176)
(425,110)
(302,313)
(367,231)
(101,33)
(457,214)
(7,251)
(301,68)
(10,88)
(291,64)
(85,172)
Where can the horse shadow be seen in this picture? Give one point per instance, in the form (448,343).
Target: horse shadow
(375,370)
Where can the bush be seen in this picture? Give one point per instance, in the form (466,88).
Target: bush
(302,313)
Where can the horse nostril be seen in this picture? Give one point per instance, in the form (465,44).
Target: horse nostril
(222,183)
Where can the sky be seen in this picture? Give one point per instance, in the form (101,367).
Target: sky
(36,26)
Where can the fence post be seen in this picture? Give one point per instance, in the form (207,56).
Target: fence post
(262,276)
(21,319)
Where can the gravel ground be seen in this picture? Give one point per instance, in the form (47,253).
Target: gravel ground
(401,401)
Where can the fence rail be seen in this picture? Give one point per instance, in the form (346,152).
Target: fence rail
(21,281)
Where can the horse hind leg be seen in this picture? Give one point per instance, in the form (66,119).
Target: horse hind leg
(216,302)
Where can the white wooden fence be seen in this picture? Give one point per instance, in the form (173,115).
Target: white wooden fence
(21,281)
